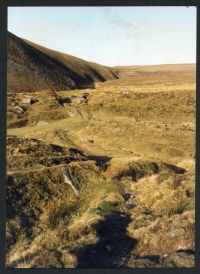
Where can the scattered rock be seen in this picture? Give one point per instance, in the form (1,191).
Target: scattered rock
(70,113)
(42,123)
(29,100)
(18,110)
(83,139)
(176,232)
(26,101)
(68,180)
(125,92)
(181,259)
(78,100)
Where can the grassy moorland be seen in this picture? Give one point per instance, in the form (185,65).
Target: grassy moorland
(104,176)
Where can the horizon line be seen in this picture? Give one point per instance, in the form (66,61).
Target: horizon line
(136,65)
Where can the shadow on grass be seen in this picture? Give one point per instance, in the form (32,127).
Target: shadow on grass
(113,244)
(101,160)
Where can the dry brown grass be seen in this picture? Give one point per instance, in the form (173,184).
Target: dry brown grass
(138,121)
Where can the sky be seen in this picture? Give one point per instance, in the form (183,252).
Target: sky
(111,36)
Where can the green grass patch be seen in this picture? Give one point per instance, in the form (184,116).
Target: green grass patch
(104,207)
(163,176)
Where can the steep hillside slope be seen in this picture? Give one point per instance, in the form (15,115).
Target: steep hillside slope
(32,67)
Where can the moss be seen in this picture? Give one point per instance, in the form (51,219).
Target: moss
(190,204)
(163,176)
(104,207)
(169,263)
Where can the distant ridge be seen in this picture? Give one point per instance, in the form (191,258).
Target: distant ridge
(32,68)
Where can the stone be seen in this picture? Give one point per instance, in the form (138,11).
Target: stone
(18,110)
(78,100)
(173,233)
(26,100)
(182,259)
(42,123)
(125,93)
(83,139)
(29,100)
(71,114)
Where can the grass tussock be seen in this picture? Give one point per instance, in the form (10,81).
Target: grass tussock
(56,212)
(70,220)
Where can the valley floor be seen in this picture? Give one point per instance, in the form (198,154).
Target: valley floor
(104,177)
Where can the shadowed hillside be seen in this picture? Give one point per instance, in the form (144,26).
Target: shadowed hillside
(32,67)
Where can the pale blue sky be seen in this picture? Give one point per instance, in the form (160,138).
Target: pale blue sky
(111,35)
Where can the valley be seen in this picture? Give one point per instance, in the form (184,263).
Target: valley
(99,175)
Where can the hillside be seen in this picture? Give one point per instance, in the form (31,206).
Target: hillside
(32,68)
(102,177)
